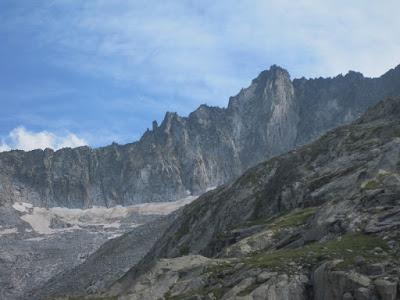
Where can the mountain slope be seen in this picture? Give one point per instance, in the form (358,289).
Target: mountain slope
(187,155)
(320,222)
(107,264)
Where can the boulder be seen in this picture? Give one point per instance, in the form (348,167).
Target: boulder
(331,285)
(387,290)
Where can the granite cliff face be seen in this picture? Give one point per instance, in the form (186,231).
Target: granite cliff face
(187,155)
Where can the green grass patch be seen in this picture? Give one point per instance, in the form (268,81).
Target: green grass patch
(184,296)
(346,248)
(217,292)
(217,269)
(92,298)
(255,222)
(371,185)
(296,217)
(377,182)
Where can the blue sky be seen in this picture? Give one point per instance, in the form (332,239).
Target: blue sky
(98,71)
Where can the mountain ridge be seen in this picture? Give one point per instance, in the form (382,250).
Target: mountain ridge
(187,155)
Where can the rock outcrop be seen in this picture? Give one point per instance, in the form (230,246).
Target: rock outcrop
(187,155)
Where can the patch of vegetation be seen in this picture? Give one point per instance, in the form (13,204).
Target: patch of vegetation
(296,217)
(184,296)
(345,248)
(217,269)
(377,182)
(217,292)
(292,219)
(184,250)
(371,185)
(92,298)
(254,222)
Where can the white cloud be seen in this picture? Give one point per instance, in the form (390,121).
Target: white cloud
(22,139)
(4,147)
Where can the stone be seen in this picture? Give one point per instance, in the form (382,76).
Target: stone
(347,296)
(359,279)
(330,284)
(239,266)
(374,269)
(239,287)
(280,287)
(392,244)
(362,293)
(359,260)
(387,290)
(264,276)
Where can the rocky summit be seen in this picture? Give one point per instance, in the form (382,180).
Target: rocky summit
(318,222)
(187,155)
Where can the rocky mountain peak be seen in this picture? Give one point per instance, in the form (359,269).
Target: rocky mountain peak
(154,125)
(268,88)
(169,116)
(273,84)
(353,75)
(169,119)
(275,72)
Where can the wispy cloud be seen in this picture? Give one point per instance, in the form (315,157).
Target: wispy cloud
(22,139)
(182,42)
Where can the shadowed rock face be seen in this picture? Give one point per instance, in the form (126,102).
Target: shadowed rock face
(186,155)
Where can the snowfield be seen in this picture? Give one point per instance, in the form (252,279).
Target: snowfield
(58,219)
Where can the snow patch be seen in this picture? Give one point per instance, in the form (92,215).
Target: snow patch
(22,206)
(40,219)
(160,208)
(8,231)
(211,188)
(115,235)
(35,239)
